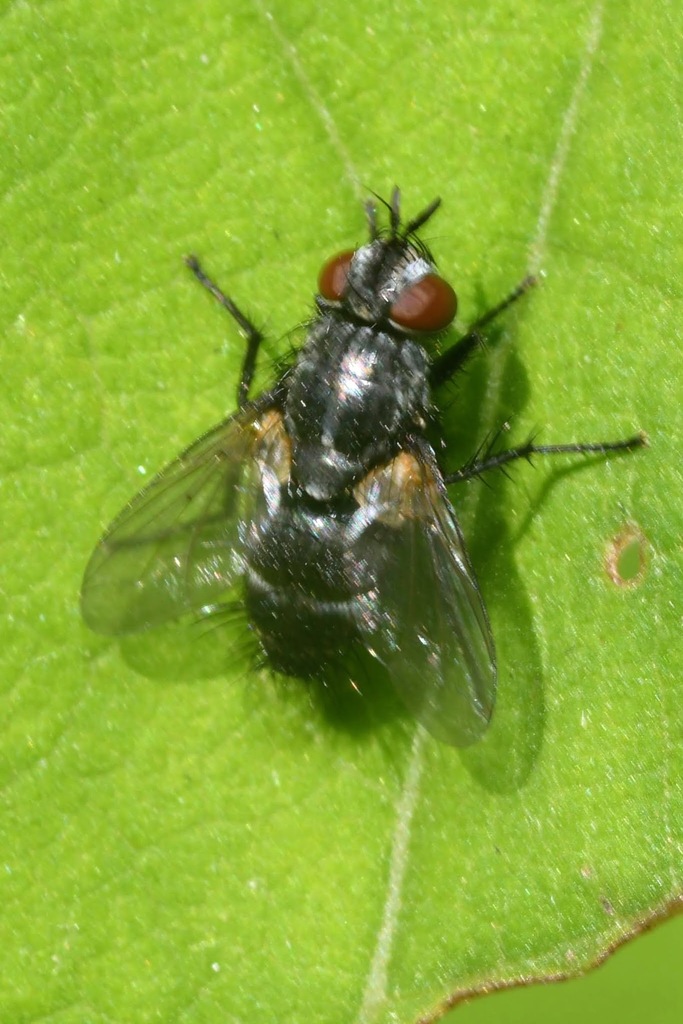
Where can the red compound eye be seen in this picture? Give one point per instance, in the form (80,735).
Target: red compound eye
(334,276)
(428,305)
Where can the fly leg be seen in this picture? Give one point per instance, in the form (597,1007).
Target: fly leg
(253,335)
(452,359)
(526,451)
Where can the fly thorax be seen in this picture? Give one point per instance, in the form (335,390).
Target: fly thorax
(353,395)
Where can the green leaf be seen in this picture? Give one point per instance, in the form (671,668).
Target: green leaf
(184,837)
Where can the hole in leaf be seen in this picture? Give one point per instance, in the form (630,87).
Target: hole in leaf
(626,558)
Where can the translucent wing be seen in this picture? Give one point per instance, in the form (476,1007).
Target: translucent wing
(424,619)
(175,547)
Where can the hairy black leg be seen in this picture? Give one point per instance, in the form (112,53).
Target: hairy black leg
(528,450)
(453,358)
(253,335)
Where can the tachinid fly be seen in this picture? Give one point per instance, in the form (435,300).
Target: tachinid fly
(325,497)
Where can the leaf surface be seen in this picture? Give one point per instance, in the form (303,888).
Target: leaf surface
(186,838)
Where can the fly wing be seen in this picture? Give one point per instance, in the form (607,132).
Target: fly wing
(175,547)
(424,618)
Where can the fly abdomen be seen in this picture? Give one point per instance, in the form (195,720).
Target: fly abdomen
(299,634)
(301,589)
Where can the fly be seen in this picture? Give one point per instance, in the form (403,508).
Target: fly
(324,496)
